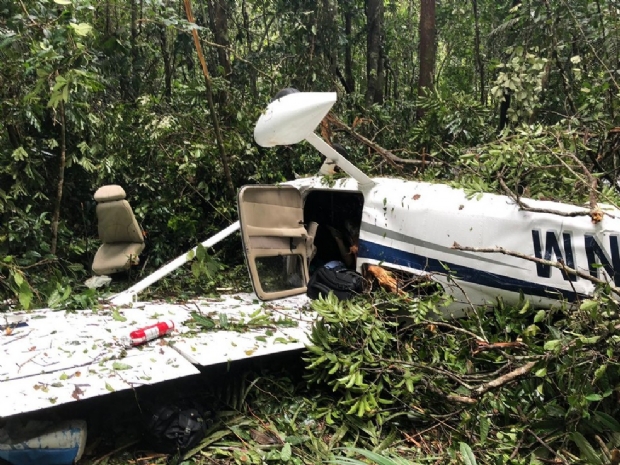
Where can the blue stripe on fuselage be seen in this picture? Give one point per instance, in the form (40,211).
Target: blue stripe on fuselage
(389,255)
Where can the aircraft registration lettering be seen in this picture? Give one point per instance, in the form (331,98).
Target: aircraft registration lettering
(562,251)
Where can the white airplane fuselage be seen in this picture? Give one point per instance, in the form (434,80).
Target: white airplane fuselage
(412,226)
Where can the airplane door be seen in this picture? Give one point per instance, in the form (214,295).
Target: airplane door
(275,241)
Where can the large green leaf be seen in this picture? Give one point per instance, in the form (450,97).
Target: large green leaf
(587,451)
(468,455)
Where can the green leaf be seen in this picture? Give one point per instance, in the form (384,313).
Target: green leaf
(552,345)
(589,305)
(223,320)
(377,459)
(25,295)
(109,388)
(117,316)
(594,397)
(468,455)
(541,373)
(18,279)
(81,29)
(607,421)
(484,428)
(600,371)
(203,321)
(285,454)
(540,316)
(121,366)
(201,252)
(587,451)
(196,268)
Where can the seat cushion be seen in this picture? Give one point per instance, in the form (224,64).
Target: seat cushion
(112,258)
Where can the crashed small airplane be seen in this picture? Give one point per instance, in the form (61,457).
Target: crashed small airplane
(477,249)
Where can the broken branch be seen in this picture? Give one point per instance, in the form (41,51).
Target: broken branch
(559,265)
(389,156)
(523,206)
(505,379)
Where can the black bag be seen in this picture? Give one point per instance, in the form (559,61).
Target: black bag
(175,429)
(337,278)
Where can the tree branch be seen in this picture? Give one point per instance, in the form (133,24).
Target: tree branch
(389,156)
(559,265)
(505,379)
(523,206)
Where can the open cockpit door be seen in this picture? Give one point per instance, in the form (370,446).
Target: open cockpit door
(275,241)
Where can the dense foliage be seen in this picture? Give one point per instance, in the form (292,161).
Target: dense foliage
(514,96)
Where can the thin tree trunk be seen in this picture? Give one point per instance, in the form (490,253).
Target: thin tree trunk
(329,34)
(348,53)
(61,177)
(216,125)
(107,18)
(134,49)
(248,40)
(606,49)
(505,105)
(218,12)
(168,69)
(478,52)
(554,42)
(427,49)
(167,56)
(374,68)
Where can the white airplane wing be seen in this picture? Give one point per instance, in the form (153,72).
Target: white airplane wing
(56,357)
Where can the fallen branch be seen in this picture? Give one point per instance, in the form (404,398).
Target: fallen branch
(389,156)
(482,346)
(505,379)
(559,265)
(523,206)
(595,211)
(546,446)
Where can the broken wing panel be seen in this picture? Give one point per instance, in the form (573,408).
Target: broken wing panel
(53,358)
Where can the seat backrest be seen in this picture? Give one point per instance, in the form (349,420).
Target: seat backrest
(117,223)
(120,234)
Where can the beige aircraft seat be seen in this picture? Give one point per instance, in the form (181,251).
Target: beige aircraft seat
(119,232)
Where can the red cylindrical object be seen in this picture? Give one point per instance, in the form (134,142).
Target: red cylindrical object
(142,335)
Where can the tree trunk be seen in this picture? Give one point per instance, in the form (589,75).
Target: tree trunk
(218,13)
(348,54)
(505,105)
(248,40)
(135,79)
(212,112)
(61,178)
(107,18)
(166,55)
(374,39)
(427,48)
(329,34)
(478,52)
